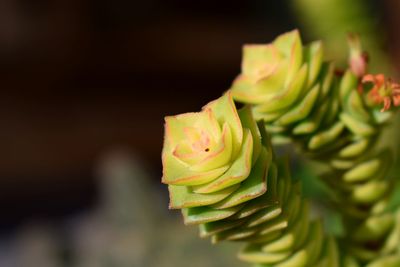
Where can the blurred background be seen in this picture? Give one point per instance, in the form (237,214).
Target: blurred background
(84,88)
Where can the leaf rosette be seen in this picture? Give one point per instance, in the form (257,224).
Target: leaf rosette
(274,76)
(207,155)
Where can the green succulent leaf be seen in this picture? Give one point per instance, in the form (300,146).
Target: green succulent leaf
(184,197)
(254,185)
(206,214)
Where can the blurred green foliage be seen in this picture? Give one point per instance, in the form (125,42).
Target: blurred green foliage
(332,20)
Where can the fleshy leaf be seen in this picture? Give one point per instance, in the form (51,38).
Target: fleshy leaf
(313,55)
(292,235)
(225,112)
(184,197)
(179,173)
(357,127)
(290,45)
(264,215)
(312,123)
(206,214)
(326,137)
(248,122)
(175,126)
(354,149)
(363,171)
(374,228)
(286,96)
(253,253)
(370,192)
(259,59)
(266,200)
(302,110)
(212,228)
(355,107)
(233,235)
(254,186)
(348,84)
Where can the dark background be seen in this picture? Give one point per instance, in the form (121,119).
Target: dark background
(82,77)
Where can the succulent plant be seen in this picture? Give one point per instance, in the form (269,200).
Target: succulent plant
(222,172)
(253,199)
(334,118)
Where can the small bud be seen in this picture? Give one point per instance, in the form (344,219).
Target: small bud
(358,59)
